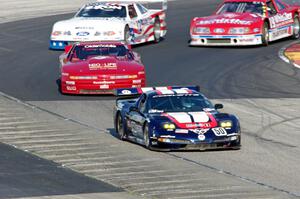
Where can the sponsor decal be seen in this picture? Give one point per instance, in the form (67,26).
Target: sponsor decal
(71,88)
(126,92)
(281,19)
(155,111)
(84,28)
(104,6)
(184,131)
(104,86)
(100,46)
(224,21)
(201,137)
(246,40)
(230,15)
(280,33)
(199,131)
(102,66)
(104,82)
(82,34)
(198,125)
(167,136)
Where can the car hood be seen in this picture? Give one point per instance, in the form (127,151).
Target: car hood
(228,19)
(188,120)
(102,65)
(82,24)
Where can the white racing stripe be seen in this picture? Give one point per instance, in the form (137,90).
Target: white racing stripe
(184,117)
(181,117)
(199,116)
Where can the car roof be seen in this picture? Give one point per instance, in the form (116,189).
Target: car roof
(116,43)
(245,0)
(120,3)
(171,92)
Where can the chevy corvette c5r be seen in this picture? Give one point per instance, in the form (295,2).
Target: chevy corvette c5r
(174,118)
(99,68)
(246,22)
(112,20)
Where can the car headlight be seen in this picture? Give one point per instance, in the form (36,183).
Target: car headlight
(238,30)
(226,124)
(201,30)
(56,33)
(169,126)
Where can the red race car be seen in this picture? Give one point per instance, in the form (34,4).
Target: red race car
(246,22)
(100,68)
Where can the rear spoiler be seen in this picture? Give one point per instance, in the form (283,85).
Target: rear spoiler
(164,2)
(138,91)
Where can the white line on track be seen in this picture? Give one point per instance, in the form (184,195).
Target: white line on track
(284,58)
(112,163)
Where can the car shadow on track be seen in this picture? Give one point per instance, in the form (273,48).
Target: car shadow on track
(245,47)
(114,134)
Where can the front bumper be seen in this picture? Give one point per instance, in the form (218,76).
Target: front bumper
(226,40)
(172,144)
(77,87)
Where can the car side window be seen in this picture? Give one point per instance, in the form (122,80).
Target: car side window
(280,6)
(142,103)
(271,8)
(141,8)
(131,11)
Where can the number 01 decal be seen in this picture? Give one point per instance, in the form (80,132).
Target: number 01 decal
(219,131)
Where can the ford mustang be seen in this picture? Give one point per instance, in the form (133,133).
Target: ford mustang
(111,20)
(246,22)
(174,118)
(99,68)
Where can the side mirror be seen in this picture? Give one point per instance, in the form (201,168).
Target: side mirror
(219,106)
(134,108)
(68,48)
(137,56)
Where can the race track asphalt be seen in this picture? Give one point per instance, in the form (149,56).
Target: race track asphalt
(25,175)
(251,81)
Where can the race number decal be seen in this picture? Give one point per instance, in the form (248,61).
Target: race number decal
(219,131)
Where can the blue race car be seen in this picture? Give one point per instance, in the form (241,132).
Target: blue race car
(174,118)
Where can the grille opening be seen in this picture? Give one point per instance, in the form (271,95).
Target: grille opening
(219,41)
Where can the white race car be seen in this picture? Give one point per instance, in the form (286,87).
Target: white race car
(111,20)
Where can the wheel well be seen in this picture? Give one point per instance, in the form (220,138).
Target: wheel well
(116,118)
(144,125)
(126,27)
(267,21)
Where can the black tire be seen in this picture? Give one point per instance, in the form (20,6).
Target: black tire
(265,34)
(127,35)
(296,31)
(147,140)
(120,128)
(156,30)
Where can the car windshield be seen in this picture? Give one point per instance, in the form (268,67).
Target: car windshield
(104,10)
(241,7)
(86,51)
(179,103)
